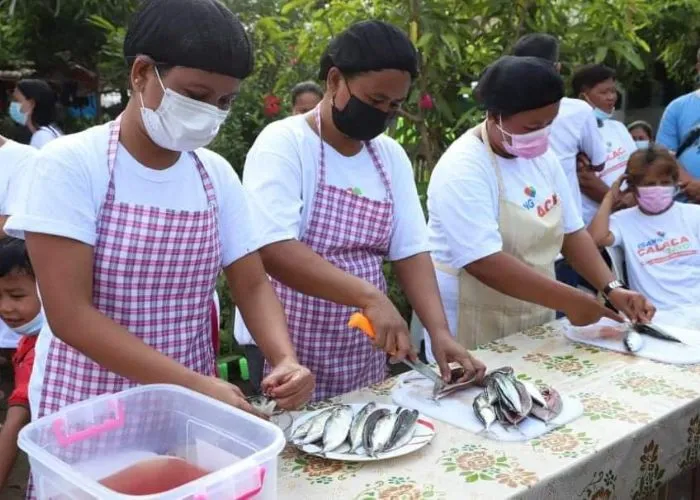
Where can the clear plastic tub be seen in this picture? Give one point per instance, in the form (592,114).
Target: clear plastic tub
(72,450)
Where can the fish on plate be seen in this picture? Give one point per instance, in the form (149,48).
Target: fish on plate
(370,431)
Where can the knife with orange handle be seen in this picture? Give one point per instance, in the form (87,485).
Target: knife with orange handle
(362,323)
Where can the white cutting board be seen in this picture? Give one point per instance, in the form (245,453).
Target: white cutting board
(662,351)
(413,391)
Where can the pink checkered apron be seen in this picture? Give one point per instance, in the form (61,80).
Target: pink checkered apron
(154,273)
(352,233)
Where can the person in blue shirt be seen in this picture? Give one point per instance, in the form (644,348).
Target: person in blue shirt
(679,131)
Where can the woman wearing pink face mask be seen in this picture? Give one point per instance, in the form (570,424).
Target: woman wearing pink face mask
(501,210)
(660,238)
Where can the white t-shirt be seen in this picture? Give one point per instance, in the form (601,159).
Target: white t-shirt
(662,253)
(71,179)
(281,175)
(575,130)
(43,136)
(619,145)
(15,165)
(463,207)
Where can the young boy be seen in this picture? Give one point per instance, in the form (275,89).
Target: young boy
(20,309)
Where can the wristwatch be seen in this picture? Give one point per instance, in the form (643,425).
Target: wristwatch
(612,286)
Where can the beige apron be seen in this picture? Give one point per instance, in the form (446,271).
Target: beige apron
(485,314)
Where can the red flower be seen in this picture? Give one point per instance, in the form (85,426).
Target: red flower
(272,105)
(426,102)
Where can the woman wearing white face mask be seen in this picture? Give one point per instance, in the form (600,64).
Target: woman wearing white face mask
(131,222)
(500,211)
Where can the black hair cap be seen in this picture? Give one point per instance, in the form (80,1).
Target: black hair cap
(13,257)
(201,34)
(514,84)
(540,45)
(590,75)
(370,46)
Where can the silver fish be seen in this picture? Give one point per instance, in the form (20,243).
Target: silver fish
(491,391)
(509,393)
(403,430)
(358,424)
(379,439)
(553,408)
(633,341)
(337,427)
(535,393)
(302,430)
(265,405)
(317,426)
(370,425)
(484,411)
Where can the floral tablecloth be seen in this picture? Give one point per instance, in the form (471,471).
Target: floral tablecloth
(641,427)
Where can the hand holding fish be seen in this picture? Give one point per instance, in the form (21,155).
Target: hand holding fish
(447,350)
(226,393)
(633,305)
(290,384)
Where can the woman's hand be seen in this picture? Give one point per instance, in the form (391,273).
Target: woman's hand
(586,310)
(633,305)
(391,331)
(290,384)
(691,189)
(226,393)
(447,350)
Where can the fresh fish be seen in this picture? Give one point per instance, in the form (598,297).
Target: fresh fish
(553,408)
(633,341)
(370,424)
(302,430)
(342,449)
(380,436)
(337,427)
(491,391)
(525,399)
(265,405)
(358,424)
(317,426)
(508,393)
(654,331)
(484,411)
(403,430)
(535,393)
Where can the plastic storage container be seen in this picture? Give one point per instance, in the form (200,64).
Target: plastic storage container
(72,450)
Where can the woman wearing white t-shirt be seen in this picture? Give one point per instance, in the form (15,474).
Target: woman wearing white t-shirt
(500,211)
(660,238)
(339,198)
(15,162)
(34,107)
(130,223)
(595,83)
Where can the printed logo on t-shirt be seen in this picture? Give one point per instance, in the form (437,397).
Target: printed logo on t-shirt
(611,165)
(355,190)
(544,207)
(663,249)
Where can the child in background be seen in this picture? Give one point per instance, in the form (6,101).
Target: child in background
(20,309)
(660,238)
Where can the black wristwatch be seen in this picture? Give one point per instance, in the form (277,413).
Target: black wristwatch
(612,286)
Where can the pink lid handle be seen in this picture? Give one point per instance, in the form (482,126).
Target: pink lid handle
(64,439)
(247,495)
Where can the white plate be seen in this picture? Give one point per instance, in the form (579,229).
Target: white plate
(423,434)
(414,391)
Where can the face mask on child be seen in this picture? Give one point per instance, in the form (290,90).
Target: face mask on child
(655,199)
(33,327)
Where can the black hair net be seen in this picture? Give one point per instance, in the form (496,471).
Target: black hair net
(370,46)
(514,84)
(201,34)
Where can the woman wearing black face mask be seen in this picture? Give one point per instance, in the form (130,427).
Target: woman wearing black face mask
(335,208)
